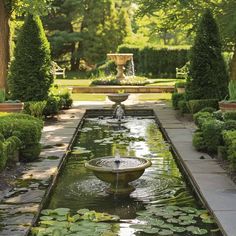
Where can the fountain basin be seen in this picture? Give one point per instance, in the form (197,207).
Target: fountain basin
(118,172)
(120,58)
(118,98)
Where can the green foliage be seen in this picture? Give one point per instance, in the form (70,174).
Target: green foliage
(36,108)
(157,61)
(229,138)
(218,115)
(200,117)
(208,109)
(30,72)
(211,132)
(8,147)
(176,97)
(52,106)
(197,105)
(26,128)
(232,89)
(31,153)
(183,106)
(229,115)
(230,125)
(208,78)
(198,141)
(2,95)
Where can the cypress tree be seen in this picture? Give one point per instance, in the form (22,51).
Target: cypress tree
(208,77)
(30,74)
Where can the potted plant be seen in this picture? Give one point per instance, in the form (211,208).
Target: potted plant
(180,87)
(9,105)
(229,105)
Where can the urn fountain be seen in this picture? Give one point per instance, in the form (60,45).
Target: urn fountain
(118,172)
(120,60)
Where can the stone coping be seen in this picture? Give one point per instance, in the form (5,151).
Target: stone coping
(20,206)
(127,89)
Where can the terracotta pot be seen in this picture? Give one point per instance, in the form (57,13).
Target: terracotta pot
(227,106)
(180,90)
(11,107)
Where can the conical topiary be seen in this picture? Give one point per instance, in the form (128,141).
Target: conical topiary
(208,77)
(30,74)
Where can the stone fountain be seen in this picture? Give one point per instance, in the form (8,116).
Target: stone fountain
(118,171)
(120,60)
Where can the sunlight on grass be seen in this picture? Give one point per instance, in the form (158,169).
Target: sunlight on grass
(72,82)
(157,82)
(154,96)
(88,97)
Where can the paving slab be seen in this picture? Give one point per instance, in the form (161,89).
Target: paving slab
(179,135)
(227,220)
(204,166)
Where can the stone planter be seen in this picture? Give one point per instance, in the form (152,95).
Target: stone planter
(180,90)
(11,106)
(118,98)
(227,106)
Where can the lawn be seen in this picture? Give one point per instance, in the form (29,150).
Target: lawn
(154,96)
(88,97)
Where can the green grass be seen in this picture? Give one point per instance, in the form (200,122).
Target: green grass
(157,82)
(154,96)
(72,82)
(88,97)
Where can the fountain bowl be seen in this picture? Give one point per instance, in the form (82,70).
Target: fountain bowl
(118,174)
(120,58)
(118,98)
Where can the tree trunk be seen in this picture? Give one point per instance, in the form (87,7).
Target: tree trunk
(233,65)
(4,43)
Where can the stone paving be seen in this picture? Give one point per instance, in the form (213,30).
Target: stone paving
(19,206)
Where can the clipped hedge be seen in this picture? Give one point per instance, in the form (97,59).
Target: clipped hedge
(175,98)
(229,138)
(26,128)
(157,61)
(197,105)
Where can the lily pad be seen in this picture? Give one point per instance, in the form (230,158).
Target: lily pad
(199,231)
(151,231)
(166,232)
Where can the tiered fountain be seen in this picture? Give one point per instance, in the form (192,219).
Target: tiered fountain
(120,60)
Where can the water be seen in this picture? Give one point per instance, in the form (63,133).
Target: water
(130,70)
(161,186)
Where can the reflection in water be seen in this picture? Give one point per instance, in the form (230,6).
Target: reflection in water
(160,185)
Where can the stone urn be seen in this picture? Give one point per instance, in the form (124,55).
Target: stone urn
(118,98)
(120,60)
(11,106)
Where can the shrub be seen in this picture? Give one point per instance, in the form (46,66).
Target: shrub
(208,109)
(31,152)
(211,131)
(182,105)
(176,97)
(26,128)
(8,148)
(218,115)
(157,61)
(229,115)
(208,77)
(36,108)
(197,105)
(229,138)
(52,106)
(198,141)
(230,125)
(30,72)
(200,117)
(65,100)
(2,95)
